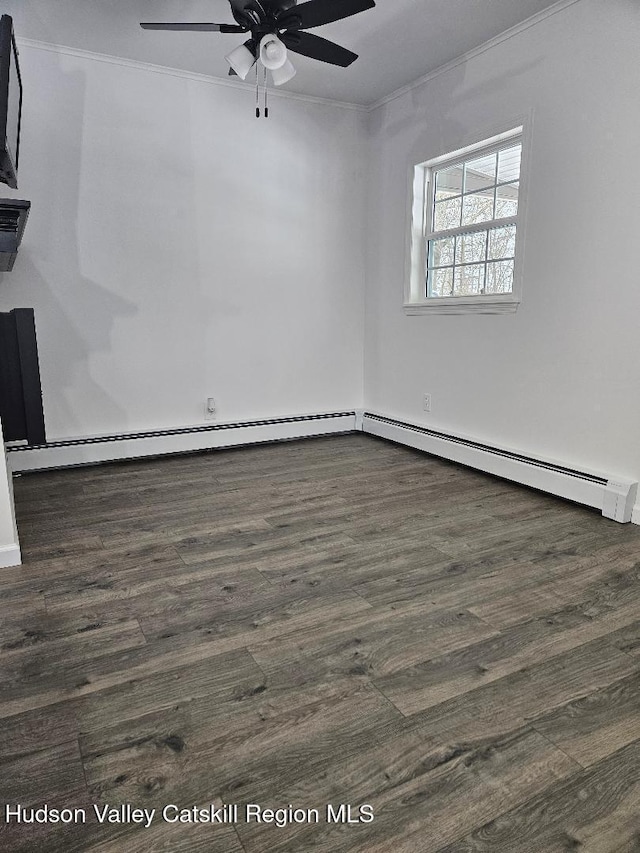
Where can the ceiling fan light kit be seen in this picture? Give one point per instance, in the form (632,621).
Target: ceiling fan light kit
(283,74)
(277,27)
(273,53)
(241,61)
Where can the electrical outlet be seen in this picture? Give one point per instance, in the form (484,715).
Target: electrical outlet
(210,409)
(426,402)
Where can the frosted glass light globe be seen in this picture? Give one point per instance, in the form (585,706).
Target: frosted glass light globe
(273,53)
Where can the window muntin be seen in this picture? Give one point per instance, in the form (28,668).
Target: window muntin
(471,220)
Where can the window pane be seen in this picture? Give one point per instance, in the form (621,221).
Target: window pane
(509,164)
(441,252)
(478,207)
(449,182)
(507,201)
(471,247)
(447,214)
(441,282)
(502,243)
(480,173)
(500,277)
(468,281)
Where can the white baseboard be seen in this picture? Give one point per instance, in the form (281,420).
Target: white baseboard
(110,448)
(10,556)
(614,496)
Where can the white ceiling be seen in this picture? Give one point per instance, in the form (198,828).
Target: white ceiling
(398,41)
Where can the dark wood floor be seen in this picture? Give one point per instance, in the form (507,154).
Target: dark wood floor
(331,621)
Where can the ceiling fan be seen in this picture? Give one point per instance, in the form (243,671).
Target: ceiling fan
(276,27)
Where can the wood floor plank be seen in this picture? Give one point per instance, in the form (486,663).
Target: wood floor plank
(197,721)
(593,727)
(35,731)
(591,586)
(196,549)
(438,802)
(105,588)
(113,536)
(366,647)
(627,639)
(51,659)
(190,756)
(464,581)
(596,811)
(225,678)
(53,776)
(173,838)
(17,603)
(517,698)
(514,649)
(198,646)
(81,545)
(76,574)
(248,612)
(354,567)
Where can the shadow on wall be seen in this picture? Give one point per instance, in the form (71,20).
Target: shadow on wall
(62,348)
(96,151)
(453,92)
(74,315)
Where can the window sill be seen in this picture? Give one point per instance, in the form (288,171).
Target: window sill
(463,305)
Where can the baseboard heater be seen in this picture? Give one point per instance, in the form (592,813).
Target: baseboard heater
(614,496)
(109,448)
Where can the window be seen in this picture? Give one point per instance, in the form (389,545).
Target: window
(466,209)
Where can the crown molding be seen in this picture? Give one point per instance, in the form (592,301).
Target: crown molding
(533,21)
(185,75)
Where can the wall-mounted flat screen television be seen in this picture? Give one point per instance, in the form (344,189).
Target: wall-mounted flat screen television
(10,104)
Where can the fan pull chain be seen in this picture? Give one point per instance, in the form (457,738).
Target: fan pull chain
(266,105)
(264,84)
(257,92)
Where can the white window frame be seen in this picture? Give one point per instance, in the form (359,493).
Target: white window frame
(416,300)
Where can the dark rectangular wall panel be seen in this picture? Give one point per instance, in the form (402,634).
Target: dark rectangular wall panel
(20,390)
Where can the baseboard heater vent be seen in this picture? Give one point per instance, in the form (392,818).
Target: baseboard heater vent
(614,496)
(108,448)
(13,219)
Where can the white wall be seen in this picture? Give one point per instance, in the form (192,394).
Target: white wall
(561,378)
(178,248)
(9,547)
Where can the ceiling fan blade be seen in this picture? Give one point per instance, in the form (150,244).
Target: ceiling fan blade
(189,28)
(315,47)
(315,13)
